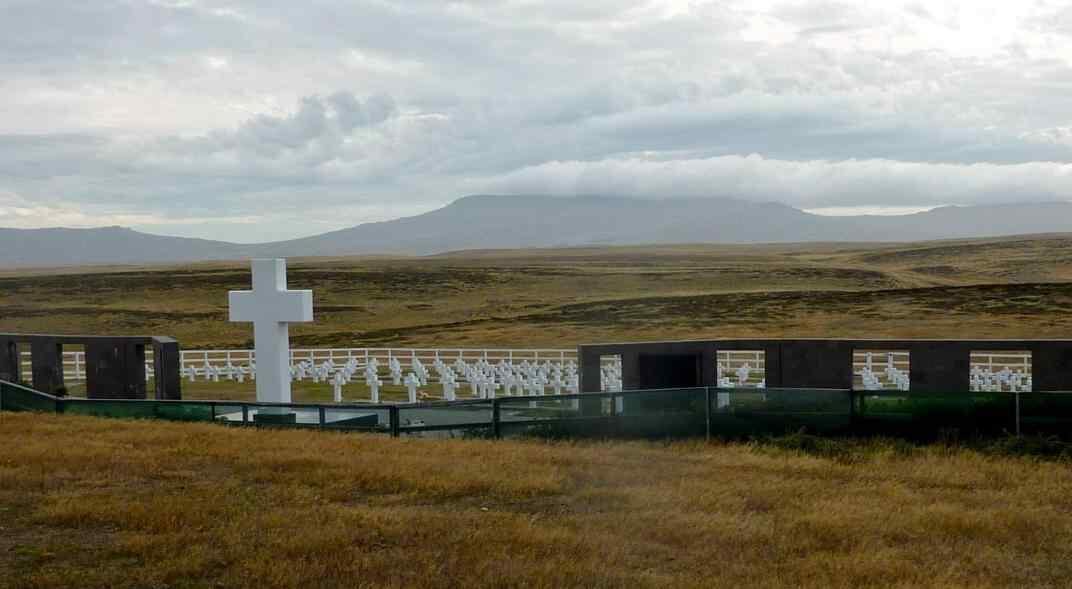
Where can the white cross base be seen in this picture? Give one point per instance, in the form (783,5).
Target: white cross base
(271,307)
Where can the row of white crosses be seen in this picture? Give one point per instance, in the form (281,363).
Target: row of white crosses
(610,374)
(983,379)
(484,380)
(478,379)
(875,381)
(213,373)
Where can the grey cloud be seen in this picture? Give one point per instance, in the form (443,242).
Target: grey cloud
(273,133)
(316,120)
(72,34)
(313,109)
(351,113)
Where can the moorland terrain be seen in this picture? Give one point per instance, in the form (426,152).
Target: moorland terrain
(1004,287)
(111,503)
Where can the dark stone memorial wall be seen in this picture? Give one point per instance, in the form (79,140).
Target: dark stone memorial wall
(9,361)
(935,365)
(115,366)
(46,362)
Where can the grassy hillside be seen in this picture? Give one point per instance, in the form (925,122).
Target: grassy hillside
(563,297)
(103,503)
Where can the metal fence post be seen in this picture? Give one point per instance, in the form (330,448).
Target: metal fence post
(322,415)
(852,410)
(707,412)
(615,417)
(1017,393)
(396,426)
(496,420)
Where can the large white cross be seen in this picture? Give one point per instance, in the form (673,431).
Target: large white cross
(271,307)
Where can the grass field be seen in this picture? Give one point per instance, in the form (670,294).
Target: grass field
(104,503)
(1012,287)
(304,391)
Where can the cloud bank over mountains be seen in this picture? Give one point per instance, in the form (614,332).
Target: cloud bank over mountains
(254,121)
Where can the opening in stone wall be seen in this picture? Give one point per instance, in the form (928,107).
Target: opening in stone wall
(610,373)
(741,369)
(1000,371)
(878,370)
(25,365)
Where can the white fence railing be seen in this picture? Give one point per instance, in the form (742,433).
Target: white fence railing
(383,356)
(74,362)
(74,365)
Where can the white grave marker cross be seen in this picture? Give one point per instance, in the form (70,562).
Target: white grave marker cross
(271,307)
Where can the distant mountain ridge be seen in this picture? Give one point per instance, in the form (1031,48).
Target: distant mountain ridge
(103,245)
(495,222)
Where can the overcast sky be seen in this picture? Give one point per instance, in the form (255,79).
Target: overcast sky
(267,119)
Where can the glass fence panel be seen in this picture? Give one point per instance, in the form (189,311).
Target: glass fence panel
(17,398)
(105,408)
(1045,413)
(364,419)
(444,416)
(283,415)
(544,409)
(652,414)
(555,417)
(227,413)
(629,414)
(467,432)
(661,401)
(927,415)
(743,412)
(184,411)
(661,413)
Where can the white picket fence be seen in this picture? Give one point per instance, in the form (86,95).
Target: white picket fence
(222,358)
(74,362)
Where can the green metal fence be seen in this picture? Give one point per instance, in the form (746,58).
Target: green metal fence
(688,412)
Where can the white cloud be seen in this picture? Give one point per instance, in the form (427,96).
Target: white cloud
(809,184)
(356,111)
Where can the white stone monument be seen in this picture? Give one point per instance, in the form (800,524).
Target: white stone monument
(271,308)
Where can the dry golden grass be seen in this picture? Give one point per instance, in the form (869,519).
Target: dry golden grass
(105,503)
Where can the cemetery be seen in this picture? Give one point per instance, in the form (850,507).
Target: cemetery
(212,476)
(685,388)
(656,294)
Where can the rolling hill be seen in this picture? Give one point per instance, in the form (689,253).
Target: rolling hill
(491,222)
